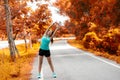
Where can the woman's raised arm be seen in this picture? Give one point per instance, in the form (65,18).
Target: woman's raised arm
(49,28)
(54,32)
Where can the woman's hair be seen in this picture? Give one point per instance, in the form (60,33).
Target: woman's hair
(52,40)
(51,35)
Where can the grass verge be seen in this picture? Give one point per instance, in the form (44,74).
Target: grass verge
(21,68)
(78,44)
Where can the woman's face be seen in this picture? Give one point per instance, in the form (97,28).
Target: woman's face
(49,33)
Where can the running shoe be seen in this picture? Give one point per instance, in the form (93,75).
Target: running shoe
(39,76)
(54,75)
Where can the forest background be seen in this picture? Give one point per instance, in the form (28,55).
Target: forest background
(94,23)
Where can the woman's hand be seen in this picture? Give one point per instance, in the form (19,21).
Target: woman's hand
(57,26)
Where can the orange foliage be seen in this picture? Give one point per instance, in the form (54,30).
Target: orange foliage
(91,40)
(78,44)
(95,22)
(24,18)
(109,43)
(20,69)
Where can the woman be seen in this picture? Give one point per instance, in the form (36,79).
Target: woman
(45,51)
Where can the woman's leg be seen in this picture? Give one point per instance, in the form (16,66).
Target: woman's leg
(51,66)
(50,63)
(40,64)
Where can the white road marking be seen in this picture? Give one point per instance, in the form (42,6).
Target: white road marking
(90,54)
(115,65)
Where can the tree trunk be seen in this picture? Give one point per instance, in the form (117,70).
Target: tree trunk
(9,31)
(25,44)
(24,33)
(15,45)
(30,40)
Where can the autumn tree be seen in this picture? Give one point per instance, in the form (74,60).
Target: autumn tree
(93,17)
(78,12)
(23,20)
(23,17)
(9,30)
(39,20)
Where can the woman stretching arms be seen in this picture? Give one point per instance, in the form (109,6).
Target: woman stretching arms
(45,51)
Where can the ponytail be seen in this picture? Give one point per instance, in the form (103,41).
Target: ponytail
(52,40)
(51,35)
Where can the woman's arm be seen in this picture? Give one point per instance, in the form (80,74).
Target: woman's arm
(54,32)
(49,28)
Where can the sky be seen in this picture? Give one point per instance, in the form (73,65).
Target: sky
(55,15)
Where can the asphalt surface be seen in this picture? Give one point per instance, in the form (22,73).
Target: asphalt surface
(73,64)
(4,44)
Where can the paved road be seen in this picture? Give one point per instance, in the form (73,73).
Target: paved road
(74,64)
(4,44)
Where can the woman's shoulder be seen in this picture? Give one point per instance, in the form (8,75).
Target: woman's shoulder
(47,37)
(44,36)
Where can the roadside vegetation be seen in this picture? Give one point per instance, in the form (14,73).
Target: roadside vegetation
(95,24)
(78,44)
(21,67)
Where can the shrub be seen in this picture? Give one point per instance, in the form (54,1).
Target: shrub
(111,41)
(91,40)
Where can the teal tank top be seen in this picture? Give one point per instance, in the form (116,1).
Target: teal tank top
(45,43)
